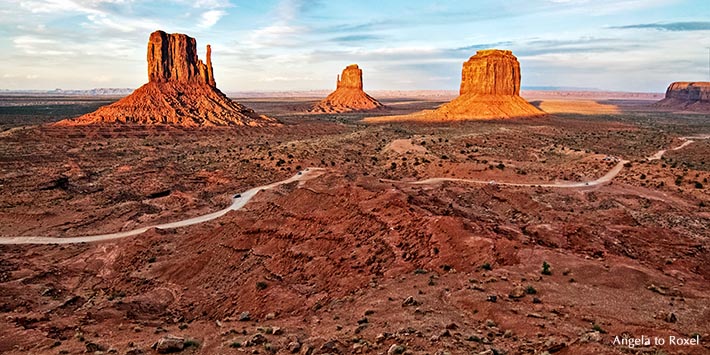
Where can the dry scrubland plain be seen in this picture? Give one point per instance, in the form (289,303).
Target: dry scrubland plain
(351,262)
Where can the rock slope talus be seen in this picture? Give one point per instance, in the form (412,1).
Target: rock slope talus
(181,91)
(490,89)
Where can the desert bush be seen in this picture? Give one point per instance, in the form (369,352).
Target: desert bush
(546,268)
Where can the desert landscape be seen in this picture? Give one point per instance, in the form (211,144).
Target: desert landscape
(175,218)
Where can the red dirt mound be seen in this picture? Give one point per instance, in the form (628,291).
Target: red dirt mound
(348,95)
(181,91)
(490,88)
(687,96)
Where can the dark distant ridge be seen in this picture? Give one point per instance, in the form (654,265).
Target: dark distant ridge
(88,92)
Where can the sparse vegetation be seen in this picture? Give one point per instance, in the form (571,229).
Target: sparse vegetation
(546,268)
(191,343)
(598,328)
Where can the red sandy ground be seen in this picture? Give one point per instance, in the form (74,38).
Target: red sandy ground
(331,262)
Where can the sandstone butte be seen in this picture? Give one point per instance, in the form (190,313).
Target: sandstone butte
(181,91)
(348,94)
(490,89)
(687,96)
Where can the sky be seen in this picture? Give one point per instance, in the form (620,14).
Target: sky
(286,45)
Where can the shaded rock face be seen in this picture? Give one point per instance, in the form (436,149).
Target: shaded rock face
(490,89)
(687,96)
(491,72)
(173,57)
(348,95)
(697,91)
(181,91)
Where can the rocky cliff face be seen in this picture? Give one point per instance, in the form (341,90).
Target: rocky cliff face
(181,90)
(491,72)
(490,89)
(348,95)
(351,78)
(687,96)
(697,91)
(173,57)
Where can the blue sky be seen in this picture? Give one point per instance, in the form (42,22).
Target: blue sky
(273,45)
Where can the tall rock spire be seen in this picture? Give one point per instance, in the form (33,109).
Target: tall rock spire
(348,94)
(180,91)
(173,58)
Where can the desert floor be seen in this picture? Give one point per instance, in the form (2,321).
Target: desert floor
(430,236)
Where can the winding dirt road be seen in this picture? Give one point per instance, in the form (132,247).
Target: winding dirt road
(237,204)
(560,184)
(688,140)
(610,175)
(310,173)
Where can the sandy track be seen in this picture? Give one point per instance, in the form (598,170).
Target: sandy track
(309,173)
(688,141)
(237,204)
(611,174)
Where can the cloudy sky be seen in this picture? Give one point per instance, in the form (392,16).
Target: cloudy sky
(272,45)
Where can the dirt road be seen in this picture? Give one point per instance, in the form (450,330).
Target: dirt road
(237,204)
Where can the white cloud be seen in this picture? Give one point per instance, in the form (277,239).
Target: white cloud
(211,4)
(82,6)
(39,46)
(284,32)
(126,25)
(211,17)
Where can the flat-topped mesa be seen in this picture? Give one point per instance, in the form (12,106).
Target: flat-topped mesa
(687,96)
(348,95)
(180,91)
(491,72)
(490,89)
(351,78)
(690,91)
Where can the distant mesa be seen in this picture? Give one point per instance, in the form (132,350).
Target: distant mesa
(348,95)
(687,96)
(490,89)
(181,91)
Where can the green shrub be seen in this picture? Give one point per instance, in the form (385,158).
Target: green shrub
(546,268)
(189,343)
(599,329)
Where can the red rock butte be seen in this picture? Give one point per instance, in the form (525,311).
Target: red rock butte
(181,91)
(348,94)
(687,96)
(490,89)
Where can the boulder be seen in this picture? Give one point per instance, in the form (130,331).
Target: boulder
(169,344)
